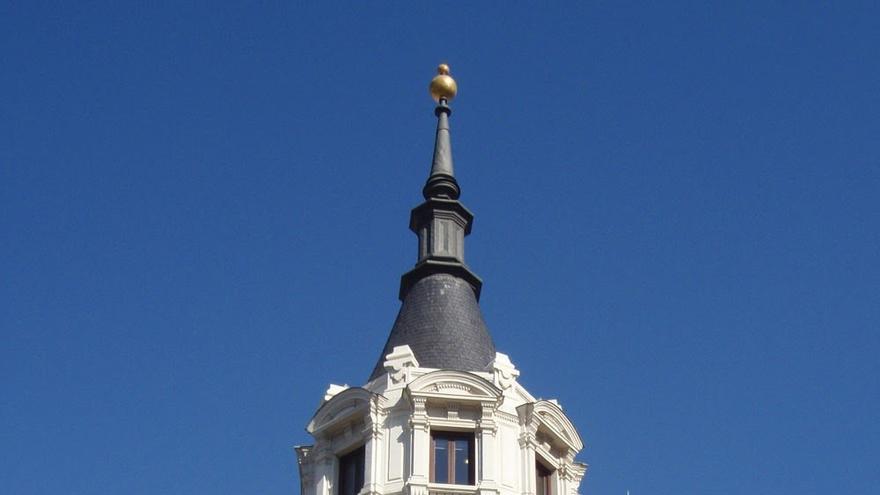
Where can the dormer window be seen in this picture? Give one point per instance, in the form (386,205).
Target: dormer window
(351,472)
(452,458)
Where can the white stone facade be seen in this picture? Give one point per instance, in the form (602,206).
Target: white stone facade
(393,417)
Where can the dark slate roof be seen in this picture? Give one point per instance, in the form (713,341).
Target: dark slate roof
(442,323)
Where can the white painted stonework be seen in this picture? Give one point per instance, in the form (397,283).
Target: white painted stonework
(393,416)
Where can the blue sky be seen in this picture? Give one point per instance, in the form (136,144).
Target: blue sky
(204,217)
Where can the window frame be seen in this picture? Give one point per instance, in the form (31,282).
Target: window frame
(450,437)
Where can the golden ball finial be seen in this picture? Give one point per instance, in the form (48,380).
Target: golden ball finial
(443,85)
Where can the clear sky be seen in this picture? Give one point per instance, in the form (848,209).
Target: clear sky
(204,220)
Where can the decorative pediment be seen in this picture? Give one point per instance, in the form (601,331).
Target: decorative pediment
(459,385)
(549,415)
(349,404)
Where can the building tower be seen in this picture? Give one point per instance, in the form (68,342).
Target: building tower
(442,412)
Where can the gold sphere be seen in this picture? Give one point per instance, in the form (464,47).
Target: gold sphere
(443,85)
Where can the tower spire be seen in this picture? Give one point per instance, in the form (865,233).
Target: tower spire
(441,183)
(441,222)
(440,317)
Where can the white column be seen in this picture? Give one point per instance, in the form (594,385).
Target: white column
(566,478)
(561,487)
(489,454)
(417,484)
(325,469)
(527,448)
(373,458)
(306,460)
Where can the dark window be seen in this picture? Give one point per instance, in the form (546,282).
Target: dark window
(351,472)
(452,458)
(542,480)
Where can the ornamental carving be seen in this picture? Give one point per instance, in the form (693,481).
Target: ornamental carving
(399,362)
(504,373)
(439,387)
(460,386)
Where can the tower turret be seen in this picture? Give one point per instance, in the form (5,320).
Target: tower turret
(442,413)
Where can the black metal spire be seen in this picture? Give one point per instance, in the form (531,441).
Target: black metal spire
(441,183)
(441,222)
(440,318)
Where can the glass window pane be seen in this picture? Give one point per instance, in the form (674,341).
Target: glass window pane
(462,463)
(345,480)
(351,472)
(441,461)
(359,469)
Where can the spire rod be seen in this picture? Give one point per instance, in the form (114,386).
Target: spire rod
(441,183)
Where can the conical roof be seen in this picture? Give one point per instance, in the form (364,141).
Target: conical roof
(441,322)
